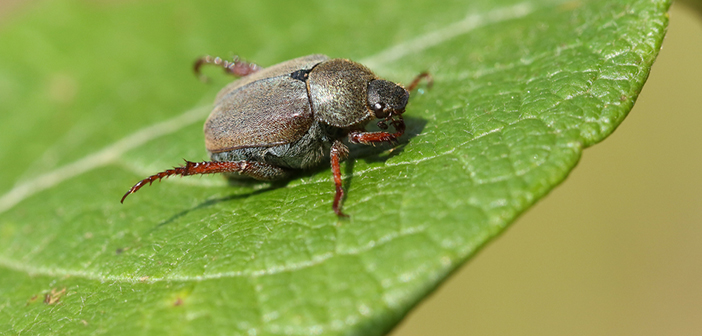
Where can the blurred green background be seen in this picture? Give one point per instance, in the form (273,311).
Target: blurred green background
(616,249)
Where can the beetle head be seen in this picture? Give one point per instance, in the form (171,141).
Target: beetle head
(386,99)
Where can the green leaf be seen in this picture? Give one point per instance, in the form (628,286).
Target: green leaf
(97,95)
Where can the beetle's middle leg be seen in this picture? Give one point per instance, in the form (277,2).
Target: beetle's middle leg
(339,151)
(237,67)
(257,170)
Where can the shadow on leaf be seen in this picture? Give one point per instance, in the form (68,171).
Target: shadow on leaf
(214,201)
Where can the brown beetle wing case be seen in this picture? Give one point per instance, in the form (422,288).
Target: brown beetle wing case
(280,69)
(264,109)
(268,112)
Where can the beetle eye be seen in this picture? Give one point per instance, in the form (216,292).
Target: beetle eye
(379,110)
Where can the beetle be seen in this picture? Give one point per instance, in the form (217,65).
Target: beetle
(273,121)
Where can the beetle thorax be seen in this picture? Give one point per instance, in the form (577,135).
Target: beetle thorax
(338,91)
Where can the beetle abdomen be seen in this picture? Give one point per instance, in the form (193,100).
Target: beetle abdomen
(304,153)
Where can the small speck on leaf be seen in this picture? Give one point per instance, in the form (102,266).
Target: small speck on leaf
(32,299)
(54,296)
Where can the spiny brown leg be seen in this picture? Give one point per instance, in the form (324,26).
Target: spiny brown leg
(257,170)
(338,153)
(415,82)
(237,67)
(368,138)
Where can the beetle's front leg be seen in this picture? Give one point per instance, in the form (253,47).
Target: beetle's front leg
(237,67)
(368,138)
(339,151)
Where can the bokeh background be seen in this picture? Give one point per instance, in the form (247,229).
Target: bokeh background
(614,250)
(617,248)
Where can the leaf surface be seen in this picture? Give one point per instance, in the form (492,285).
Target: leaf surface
(95,96)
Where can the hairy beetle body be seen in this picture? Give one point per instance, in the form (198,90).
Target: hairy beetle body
(288,116)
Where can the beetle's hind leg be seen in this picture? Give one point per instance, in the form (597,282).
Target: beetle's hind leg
(254,169)
(339,151)
(237,67)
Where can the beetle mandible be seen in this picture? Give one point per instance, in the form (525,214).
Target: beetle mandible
(273,121)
